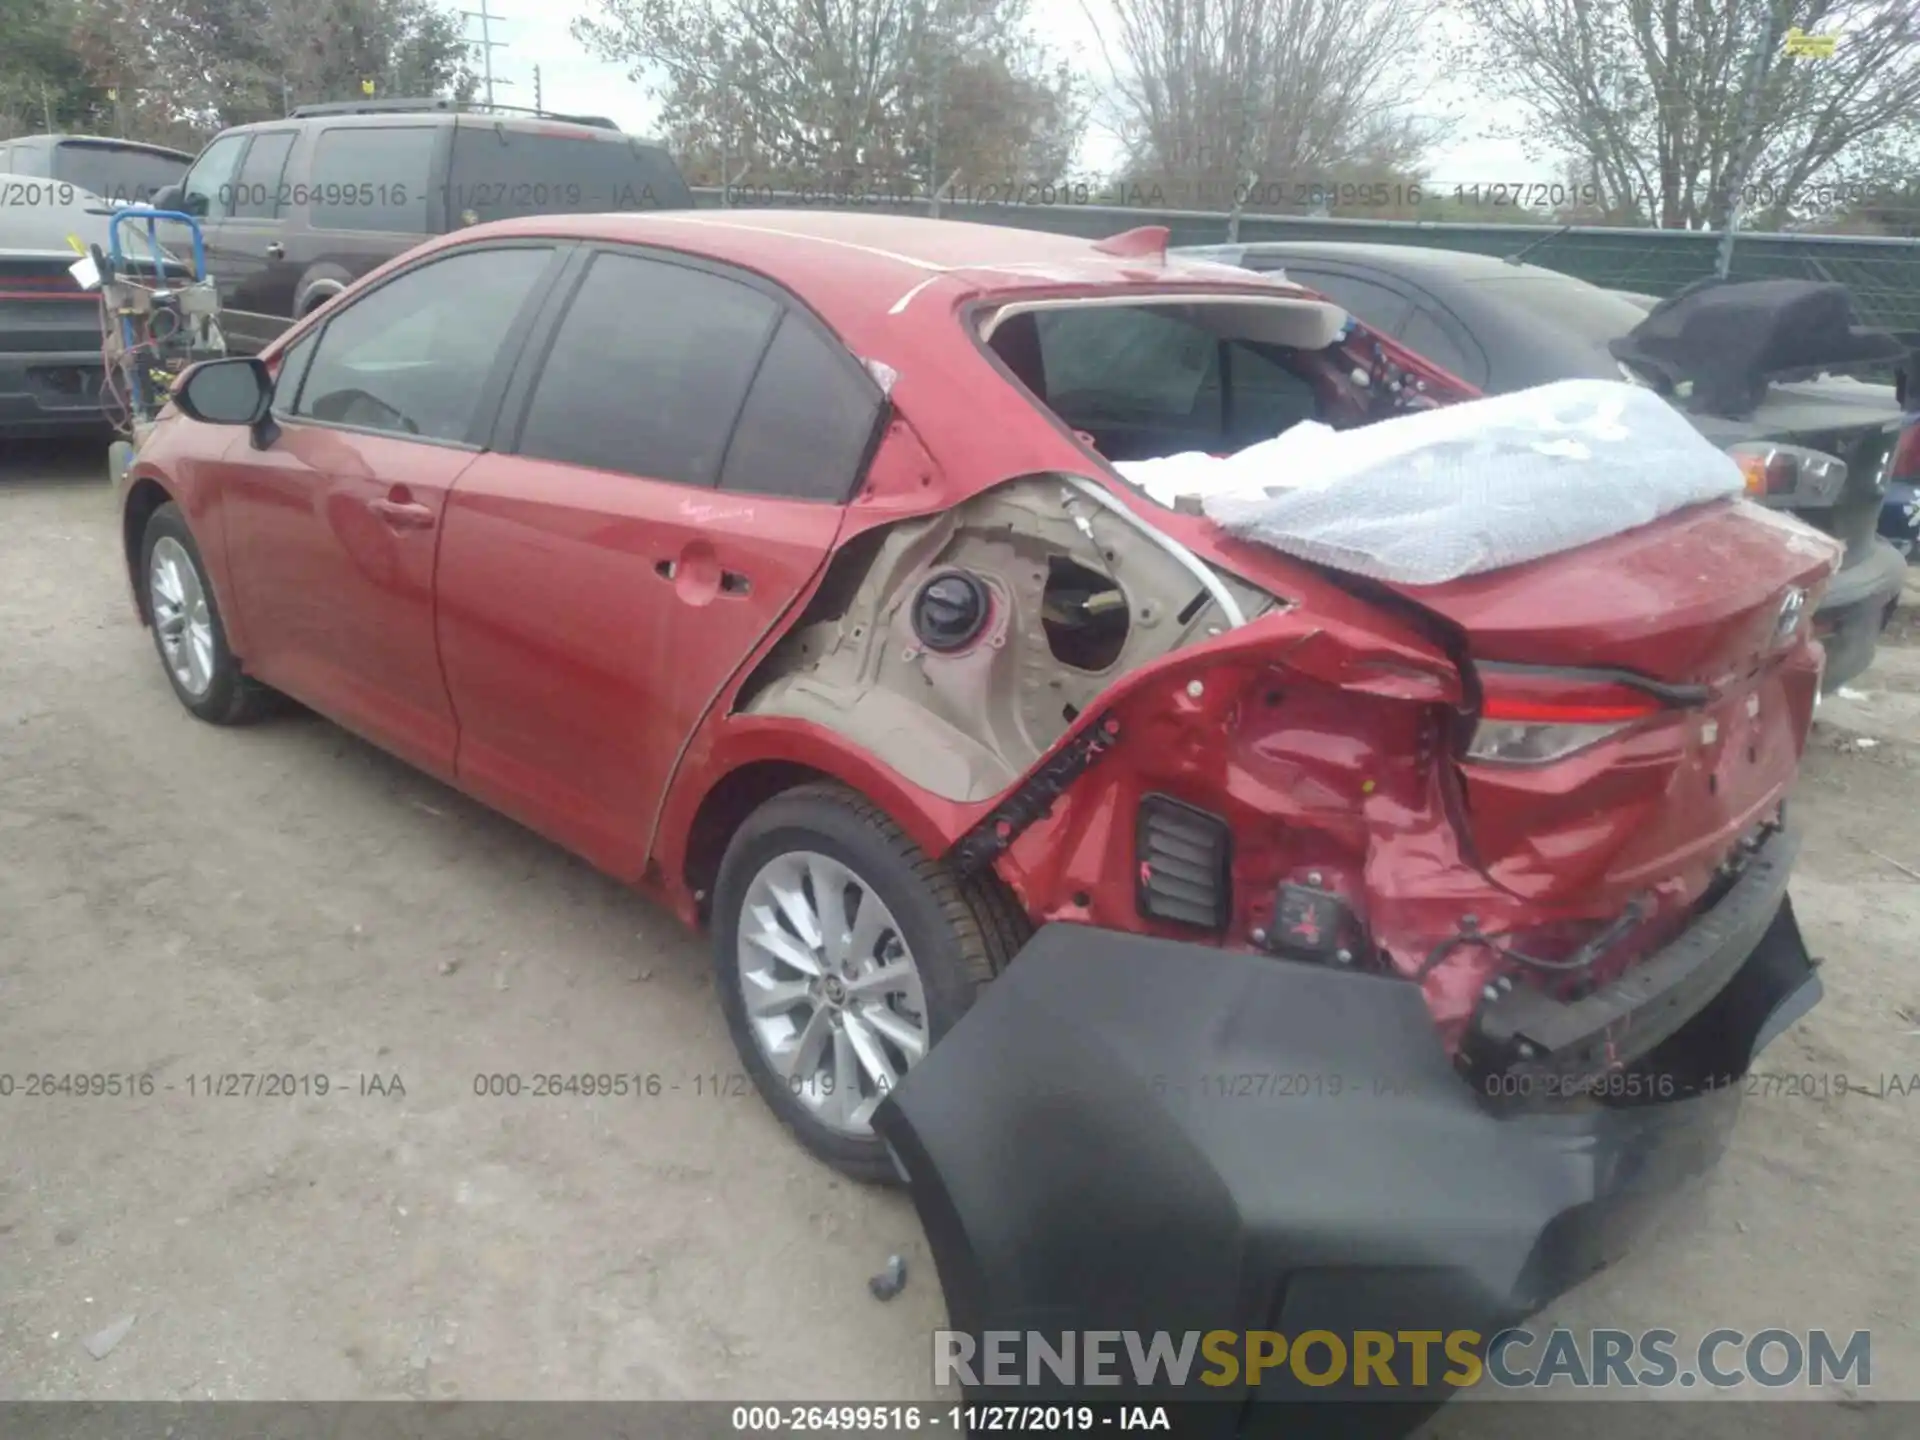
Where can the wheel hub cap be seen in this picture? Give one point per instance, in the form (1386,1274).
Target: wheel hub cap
(181,616)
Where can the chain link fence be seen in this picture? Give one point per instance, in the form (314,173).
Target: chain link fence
(1882,273)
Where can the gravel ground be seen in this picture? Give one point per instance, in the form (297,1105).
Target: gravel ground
(181,901)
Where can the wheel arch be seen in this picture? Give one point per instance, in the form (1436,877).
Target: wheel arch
(764,757)
(144,497)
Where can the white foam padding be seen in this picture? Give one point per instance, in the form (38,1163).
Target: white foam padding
(1431,496)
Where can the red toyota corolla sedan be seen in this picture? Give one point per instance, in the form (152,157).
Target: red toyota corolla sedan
(777,563)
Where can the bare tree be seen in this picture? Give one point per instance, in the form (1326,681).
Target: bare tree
(847,92)
(1227,96)
(1651,95)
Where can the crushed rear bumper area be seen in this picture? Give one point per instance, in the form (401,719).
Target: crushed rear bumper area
(1135,1134)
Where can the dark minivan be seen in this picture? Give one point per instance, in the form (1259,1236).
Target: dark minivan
(122,172)
(295,210)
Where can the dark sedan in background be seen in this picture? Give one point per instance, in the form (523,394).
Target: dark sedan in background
(1504,326)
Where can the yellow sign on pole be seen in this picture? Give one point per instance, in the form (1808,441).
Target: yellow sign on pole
(366,86)
(1809,47)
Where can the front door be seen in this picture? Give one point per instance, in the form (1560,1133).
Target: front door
(334,529)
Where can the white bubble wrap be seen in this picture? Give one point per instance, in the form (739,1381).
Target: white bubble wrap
(1465,488)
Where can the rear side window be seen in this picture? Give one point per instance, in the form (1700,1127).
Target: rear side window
(1424,335)
(370,177)
(807,423)
(116,172)
(501,171)
(256,191)
(648,370)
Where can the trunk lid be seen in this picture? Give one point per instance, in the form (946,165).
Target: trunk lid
(1712,604)
(1693,598)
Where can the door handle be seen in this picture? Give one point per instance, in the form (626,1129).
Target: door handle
(732,582)
(276,251)
(403,514)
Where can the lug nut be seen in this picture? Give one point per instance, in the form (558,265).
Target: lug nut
(1313,877)
(1195,689)
(1257,935)
(1343,957)
(1491,992)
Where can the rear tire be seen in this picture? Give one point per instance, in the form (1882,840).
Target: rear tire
(187,629)
(860,1016)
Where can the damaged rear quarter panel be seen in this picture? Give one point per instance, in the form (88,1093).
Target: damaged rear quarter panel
(966,724)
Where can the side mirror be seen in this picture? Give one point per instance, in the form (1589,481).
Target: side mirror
(168,197)
(234,391)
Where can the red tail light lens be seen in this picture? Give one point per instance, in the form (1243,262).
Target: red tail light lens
(1535,719)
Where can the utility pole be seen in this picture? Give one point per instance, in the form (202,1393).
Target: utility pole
(1749,115)
(536,91)
(933,140)
(726,130)
(487,45)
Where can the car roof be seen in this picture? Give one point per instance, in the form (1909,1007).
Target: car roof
(386,119)
(860,269)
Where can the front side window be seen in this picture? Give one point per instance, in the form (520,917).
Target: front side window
(413,356)
(209,184)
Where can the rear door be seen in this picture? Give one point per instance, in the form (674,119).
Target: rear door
(667,480)
(245,246)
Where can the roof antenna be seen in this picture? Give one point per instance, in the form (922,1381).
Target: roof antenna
(1133,244)
(1531,246)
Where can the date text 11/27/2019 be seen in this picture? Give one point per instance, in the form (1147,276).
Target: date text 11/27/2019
(913,1418)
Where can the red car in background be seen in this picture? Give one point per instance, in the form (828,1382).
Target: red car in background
(775,562)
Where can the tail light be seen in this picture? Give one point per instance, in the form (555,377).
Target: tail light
(1534,719)
(1904,464)
(1790,472)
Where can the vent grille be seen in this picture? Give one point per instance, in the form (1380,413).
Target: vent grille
(1184,856)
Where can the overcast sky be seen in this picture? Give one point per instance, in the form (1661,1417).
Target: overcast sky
(536,33)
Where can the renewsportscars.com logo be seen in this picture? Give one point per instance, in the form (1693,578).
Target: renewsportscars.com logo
(1381,1361)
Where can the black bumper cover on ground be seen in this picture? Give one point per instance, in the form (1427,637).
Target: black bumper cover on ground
(1135,1134)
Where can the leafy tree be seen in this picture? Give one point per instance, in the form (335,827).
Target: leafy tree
(1277,103)
(198,66)
(1652,96)
(850,93)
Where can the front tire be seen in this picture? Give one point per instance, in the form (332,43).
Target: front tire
(187,630)
(842,953)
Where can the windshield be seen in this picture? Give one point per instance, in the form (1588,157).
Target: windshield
(122,174)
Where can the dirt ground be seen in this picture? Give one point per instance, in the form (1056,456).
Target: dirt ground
(182,901)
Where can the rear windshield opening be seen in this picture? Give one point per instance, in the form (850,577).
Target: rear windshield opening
(1166,378)
(501,171)
(118,173)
